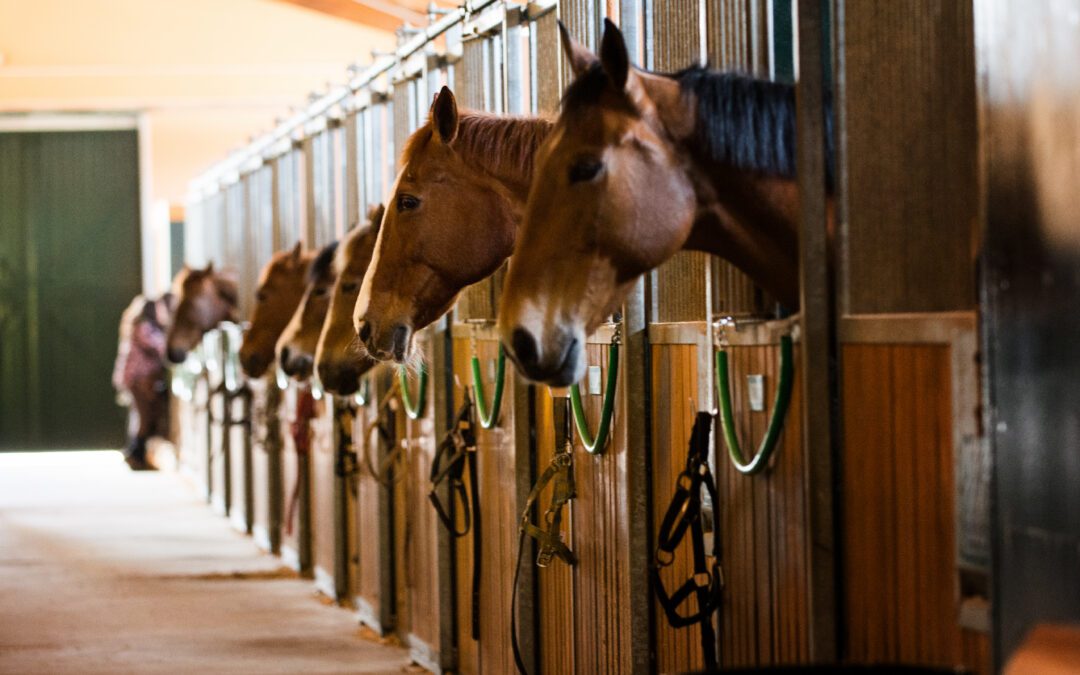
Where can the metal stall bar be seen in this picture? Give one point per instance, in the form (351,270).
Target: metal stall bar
(818,339)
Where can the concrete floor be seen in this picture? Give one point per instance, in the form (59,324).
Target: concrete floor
(107,571)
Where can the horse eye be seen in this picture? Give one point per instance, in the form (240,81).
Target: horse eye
(260,296)
(585,170)
(348,287)
(319,291)
(407,202)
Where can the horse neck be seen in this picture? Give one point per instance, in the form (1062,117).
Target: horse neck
(752,221)
(503,148)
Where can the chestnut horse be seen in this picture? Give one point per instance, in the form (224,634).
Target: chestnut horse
(296,346)
(205,299)
(281,285)
(338,359)
(451,222)
(639,166)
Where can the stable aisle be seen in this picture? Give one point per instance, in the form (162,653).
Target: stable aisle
(107,571)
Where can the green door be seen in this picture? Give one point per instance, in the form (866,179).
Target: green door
(69,265)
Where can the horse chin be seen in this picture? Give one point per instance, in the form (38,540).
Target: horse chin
(343,381)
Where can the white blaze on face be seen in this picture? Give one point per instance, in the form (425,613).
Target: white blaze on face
(363,301)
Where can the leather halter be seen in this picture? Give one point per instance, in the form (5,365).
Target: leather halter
(561,471)
(456,452)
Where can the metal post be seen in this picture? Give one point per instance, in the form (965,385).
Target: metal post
(818,338)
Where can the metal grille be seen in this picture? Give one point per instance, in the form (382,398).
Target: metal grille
(736,38)
(676,34)
(544,43)
(403,117)
(737,35)
(478,79)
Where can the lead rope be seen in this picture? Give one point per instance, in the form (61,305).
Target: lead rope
(301,433)
(455,453)
(685,513)
(561,471)
(387,472)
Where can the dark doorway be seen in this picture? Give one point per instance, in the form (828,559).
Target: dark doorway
(69,264)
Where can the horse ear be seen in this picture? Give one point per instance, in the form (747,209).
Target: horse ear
(294,255)
(209,268)
(444,115)
(613,55)
(375,216)
(580,59)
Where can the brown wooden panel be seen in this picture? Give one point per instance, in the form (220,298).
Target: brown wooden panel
(764,524)
(322,497)
(555,583)
(290,470)
(368,594)
(908,116)
(901,588)
(260,466)
(600,540)
(498,498)
(415,531)
(675,389)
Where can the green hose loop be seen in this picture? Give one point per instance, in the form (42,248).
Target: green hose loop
(596,445)
(489,419)
(776,420)
(414,410)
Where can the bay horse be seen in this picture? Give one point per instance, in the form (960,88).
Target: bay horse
(205,298)
(451,221)
(281,285)
(641,165)
(296,346)
(338,359)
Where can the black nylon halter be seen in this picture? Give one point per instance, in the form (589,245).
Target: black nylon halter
(685,514)
(456,452)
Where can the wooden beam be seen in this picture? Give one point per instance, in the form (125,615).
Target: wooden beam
(385,15)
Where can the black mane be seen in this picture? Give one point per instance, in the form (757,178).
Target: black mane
(320,267)
(748,123)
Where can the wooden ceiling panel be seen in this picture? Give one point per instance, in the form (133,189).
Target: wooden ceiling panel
(384,14)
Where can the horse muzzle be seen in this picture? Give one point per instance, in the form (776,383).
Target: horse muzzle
(342,380)
(385,346)
(560,364)
(176,355)
(296,365)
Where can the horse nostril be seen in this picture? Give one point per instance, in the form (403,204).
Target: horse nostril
(365,331)
(400,339)
(176,355)
(524,346)
(284,355)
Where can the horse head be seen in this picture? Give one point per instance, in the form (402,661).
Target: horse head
(205,298)
(281,285)
(296,346)
(339,359)
(451,221)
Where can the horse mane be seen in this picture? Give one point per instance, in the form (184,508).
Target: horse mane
(227,289)
(504,145)
(321,266)
(747,122)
